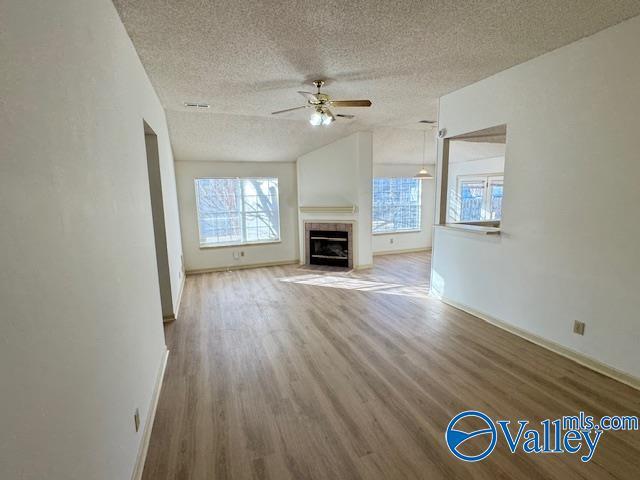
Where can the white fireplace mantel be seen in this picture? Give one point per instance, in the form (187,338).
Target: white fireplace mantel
(329,209)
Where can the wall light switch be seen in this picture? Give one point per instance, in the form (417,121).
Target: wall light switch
(578,327)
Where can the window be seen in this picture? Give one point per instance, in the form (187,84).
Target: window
(234,211)
(480,197)
(396,204)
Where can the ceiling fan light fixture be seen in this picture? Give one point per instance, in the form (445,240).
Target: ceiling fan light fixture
(321,104)
(317,118)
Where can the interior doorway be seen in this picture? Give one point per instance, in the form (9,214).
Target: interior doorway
(159,231)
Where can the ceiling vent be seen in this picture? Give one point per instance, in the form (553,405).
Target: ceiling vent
(199,106)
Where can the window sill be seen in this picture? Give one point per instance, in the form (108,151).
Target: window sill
(477,229)
(247,244)
(397,232)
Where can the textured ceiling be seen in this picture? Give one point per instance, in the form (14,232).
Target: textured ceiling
(248,58)
(404,145)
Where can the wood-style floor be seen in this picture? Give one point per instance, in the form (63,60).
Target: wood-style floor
(286,373)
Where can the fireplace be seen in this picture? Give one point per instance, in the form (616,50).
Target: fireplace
(329,244)
(329,248)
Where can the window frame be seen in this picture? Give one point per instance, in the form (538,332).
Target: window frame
(394,232)
(488,180)
(494,180)
(242,213)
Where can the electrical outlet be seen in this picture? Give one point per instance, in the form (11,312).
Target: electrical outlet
(242,253)
(391,240)
(136,419)
(578,327)
(236,255)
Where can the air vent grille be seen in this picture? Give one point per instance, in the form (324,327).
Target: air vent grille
(197,105)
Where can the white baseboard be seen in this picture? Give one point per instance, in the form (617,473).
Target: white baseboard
(363,267)
(408,250)
(243,267)
(151,415)
(577,357)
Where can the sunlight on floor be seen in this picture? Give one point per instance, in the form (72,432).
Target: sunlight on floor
(348,283)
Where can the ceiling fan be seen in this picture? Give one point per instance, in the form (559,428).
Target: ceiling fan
(320,102)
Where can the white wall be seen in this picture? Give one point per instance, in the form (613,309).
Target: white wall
(340,175)
(364,175)
(408,240)
(197,258)
(569,247)
(329,174)
(81,328)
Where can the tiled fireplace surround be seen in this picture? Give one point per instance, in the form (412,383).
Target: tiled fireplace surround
(327,226)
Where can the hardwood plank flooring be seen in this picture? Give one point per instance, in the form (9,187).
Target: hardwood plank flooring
(292,373)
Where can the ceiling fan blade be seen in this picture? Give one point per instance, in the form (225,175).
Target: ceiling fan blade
(309,95)
(342,115)
(289,110)
(351,103)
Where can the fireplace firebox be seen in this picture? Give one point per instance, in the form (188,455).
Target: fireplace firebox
(329,244)
(329,248)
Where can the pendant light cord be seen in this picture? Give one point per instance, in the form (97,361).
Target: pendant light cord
(424,149)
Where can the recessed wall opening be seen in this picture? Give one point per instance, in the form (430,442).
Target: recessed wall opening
(472,187)
(159,230)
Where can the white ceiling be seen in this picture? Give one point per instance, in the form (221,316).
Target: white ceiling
(460,151)
(248,58)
